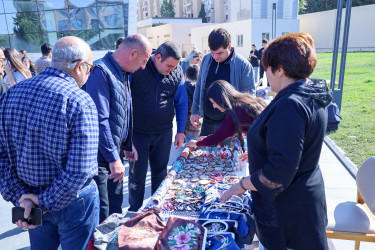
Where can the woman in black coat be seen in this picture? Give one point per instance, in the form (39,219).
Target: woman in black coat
(284,146)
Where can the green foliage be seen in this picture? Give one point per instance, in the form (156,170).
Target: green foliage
(310,6)
(167,9)
(202,14)
(356,133)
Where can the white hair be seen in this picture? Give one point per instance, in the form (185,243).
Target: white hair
(64,57)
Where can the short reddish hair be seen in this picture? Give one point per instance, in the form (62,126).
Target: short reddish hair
(294,53)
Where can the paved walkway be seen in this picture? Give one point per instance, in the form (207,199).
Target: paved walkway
(340,187)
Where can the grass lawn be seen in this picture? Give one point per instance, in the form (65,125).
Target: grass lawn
(356,133)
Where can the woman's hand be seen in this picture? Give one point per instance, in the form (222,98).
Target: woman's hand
(191,144)
(8,68)
(200,138)
(236,189)
(243,157)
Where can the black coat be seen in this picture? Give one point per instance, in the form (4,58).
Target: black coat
(284,146)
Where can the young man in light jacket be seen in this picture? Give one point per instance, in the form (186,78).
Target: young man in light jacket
(221,64)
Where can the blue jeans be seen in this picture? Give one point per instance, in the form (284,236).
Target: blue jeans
(73,226)
(256,74)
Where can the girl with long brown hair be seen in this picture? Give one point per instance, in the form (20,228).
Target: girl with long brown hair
(30,65)
(15,69)
(242,109)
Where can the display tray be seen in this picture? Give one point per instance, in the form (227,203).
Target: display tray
(183,191)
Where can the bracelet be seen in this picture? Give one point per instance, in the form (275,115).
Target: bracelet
(241,184)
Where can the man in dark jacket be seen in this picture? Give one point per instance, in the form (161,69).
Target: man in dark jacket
(157,92)
(109,87)
(3,62)
(261,69)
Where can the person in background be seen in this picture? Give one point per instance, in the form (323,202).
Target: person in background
(15,70)
(191,77)
(194,57)
(45,60)
(223,63)
(109,87)
(119,41)
(49,141)
(27,62)
(3,62)
(241,110)
(254,61)
(284,146)
(261,68)
(158,93)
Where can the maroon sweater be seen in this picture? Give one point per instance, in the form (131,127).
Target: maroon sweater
(228,128)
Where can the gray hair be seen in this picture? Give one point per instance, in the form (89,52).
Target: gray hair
(136,41)
(65,57)
(169,49)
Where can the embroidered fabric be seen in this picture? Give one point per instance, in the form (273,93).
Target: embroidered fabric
(140,232)
(269,184)
(181,233)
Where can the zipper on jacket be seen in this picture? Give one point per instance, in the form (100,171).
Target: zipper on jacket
(217,67)
(126,101)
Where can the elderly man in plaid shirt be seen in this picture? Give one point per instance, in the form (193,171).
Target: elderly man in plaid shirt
(48,148)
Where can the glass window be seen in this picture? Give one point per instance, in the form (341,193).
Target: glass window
(52,4)
(81,3)
(50,37)
(23,22)
(4,41)
(62,20)
(12,6)
(47,19)
(3,30)
(84,18)
(89,36)
(1,8)
(266,36)
(31,42)
(111,16)
(109,37)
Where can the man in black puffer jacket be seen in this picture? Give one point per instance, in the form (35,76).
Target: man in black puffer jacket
(157,91)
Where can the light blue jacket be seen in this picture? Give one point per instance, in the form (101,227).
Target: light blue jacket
(241,77)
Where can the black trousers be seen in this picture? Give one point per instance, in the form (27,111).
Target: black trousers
(209,126)
(110,194)
(153,149)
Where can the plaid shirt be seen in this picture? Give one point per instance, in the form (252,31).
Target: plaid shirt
(48,139)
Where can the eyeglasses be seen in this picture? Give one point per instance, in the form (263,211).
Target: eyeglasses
(4,61)
(92,67)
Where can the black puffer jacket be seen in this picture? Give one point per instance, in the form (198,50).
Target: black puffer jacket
(284,146)
(153,99)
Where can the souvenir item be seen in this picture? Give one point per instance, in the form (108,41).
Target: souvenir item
(182,234)
(225,153)
(140,232)
(221,241)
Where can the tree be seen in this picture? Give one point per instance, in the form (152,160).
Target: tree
(202,14)
(167,9)
(301,6)
(311,6)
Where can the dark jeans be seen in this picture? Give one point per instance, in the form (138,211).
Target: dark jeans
(72,226)
(209,126)
(156,149)
(110,194)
